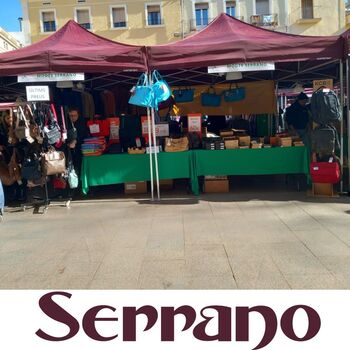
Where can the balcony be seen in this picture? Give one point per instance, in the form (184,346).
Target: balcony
(270,20)
(347,18)
(204,22)
(158,22)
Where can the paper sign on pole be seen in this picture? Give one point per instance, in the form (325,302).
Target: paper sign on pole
(38,93)
(327,83)
(50,77)
(195,123)
(242,67)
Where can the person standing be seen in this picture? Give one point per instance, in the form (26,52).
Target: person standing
(298,117)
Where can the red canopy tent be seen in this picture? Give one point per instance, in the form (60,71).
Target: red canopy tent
(228,40)
(73,49)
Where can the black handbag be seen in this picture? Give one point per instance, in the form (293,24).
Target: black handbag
(31,169)
(52,130)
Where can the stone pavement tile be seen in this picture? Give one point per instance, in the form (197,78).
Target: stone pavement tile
(198,267)
(123,262)
(314,281)
(163,274)
(115,282)
(337,264)
(245,250)
(25,281)
(299,264)
(326,248)
(69,281)
(212,282)
(257,272)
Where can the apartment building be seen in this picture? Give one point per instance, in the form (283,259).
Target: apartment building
(157,22)
(8,42)
(131,21)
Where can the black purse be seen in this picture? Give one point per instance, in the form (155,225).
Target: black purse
(52,130)
(31,169)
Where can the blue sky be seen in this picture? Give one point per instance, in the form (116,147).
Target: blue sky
(10,10)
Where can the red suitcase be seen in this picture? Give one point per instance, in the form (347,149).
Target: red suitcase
(324,172)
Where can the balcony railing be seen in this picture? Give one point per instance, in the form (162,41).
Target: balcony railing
(269,20)
(154,22)
(198,25)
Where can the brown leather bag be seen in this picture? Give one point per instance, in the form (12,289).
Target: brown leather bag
(5,175)
(53,162)
(14,168)
(176,145)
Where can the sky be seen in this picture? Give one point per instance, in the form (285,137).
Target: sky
(10,10)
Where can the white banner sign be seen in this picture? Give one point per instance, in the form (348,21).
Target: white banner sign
(242,67)
(162,130)
(242,320)
(38,93)
(48,77)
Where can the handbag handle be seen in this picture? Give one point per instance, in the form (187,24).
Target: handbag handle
(142,80)
(156,76)
(63,119)
(23,117)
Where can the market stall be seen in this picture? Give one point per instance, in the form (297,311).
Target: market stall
(113,69)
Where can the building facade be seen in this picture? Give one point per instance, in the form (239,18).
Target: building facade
(8,42)
(156,22)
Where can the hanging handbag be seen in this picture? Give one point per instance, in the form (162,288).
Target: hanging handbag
(31,169)
(59,183)
(234,95)
(176,145)
(52,130)
(6,178)
(210,99)
(53,162)
(160,88)
(22,129)
(183,95)
(141,94)
(325,172)
(72,178)
(14,168)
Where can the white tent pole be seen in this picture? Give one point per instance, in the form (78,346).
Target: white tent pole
(154,143)
(348,116)
(150,150)
(341,72)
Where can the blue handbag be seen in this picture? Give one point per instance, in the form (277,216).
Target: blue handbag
(161,89)
(210,99)
(142,94)
(183,95)
(234,95)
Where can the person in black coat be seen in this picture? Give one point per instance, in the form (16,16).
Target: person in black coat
(77,132)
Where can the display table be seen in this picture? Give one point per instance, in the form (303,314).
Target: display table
(263,161)
(120,168)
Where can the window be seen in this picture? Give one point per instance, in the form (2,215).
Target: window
(48,21)
(118,17)
(154,17)
(231,8)
(83,18)
(307,9)
(262,7)
(202,14)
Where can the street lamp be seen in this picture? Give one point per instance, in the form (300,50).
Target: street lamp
(20,19)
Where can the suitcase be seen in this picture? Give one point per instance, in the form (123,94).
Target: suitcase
(324,172)
(2,200)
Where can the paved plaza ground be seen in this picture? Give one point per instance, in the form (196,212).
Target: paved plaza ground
(245,240)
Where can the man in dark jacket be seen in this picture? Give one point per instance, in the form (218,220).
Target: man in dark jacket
(298,117)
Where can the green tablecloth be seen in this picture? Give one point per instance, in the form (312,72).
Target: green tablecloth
(120,168)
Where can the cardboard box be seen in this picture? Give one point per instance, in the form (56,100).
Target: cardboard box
(256,145)
(231,143)
(285,141)
(226,133)
(324,190)
(139,187)
(216,186)
(165,184)
(244,140)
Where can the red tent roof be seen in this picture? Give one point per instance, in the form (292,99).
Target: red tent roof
(228,40)
(73,49)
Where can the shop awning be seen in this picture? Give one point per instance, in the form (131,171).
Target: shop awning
(227,40)
(73,49)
